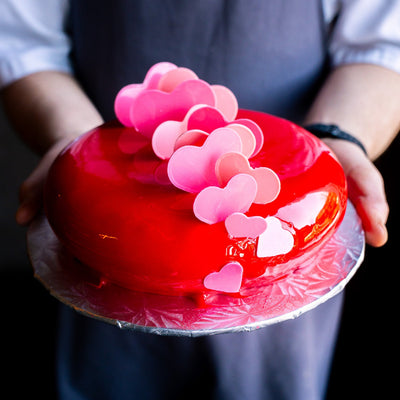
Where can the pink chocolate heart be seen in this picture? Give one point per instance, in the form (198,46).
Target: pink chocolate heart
(197,137)
(246,136)
(156,72)
(194,137)
(275,240)
(167,133)
(164,138)
(230,164)
(192,168)
(228,279)
(209,118)
(150,108)
(206,118)
(124,98)
(171,79)
(226,102)
(257,132)
(240,225)
(214,204)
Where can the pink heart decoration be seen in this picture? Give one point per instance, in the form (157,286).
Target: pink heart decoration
(240,225)
(230,164)
(123,101)
(209,118)
(214,204)
(257,132)
(167,133)
(228,279)
(156,72)
(195,137)
(275,240)
(206,118)
(247,138)
(171,79)
(192,168)
(150,108)
(124,98)
(164,138)
(226,102)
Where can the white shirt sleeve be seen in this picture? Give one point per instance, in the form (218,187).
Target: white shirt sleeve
(33,38)
(366,31)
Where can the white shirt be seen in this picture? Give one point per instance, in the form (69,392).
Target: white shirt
(33,39)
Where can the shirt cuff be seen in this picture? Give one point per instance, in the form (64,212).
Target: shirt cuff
(34,60)
(385,55)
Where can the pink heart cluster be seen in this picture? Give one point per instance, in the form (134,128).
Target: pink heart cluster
(192,125)
(166,94)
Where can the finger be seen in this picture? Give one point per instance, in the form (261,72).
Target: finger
(30,196)
(31,191)
(365,189)
(367,192)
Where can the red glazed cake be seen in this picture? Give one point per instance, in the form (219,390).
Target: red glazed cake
(198,199)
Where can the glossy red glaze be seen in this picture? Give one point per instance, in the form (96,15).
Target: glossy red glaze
(109,201)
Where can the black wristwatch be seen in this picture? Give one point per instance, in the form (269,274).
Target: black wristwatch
(322,131)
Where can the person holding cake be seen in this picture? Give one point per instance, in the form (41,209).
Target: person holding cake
(320,63)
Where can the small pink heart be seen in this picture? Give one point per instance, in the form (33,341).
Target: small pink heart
(164,138)
(192,168)
(226,102)
(167,133)
(202,117)
(246,136)
(194,137)
(150,108)
(228,279)
(206,118)
(257,132)
(214,204)
(155,74)
(275,240)
(240,225)
(209,118)
(171,79)
(197,137)
(230,164)
(124,98)
(123,102)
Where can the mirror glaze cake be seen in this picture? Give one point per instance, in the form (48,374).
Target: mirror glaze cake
(194,198)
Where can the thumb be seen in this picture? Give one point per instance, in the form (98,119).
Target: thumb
(367,192)
(365,189)
(31,190)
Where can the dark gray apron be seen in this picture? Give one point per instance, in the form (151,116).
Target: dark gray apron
(272,54)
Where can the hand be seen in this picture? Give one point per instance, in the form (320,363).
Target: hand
(46,122)
(31,190)
(366,190)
